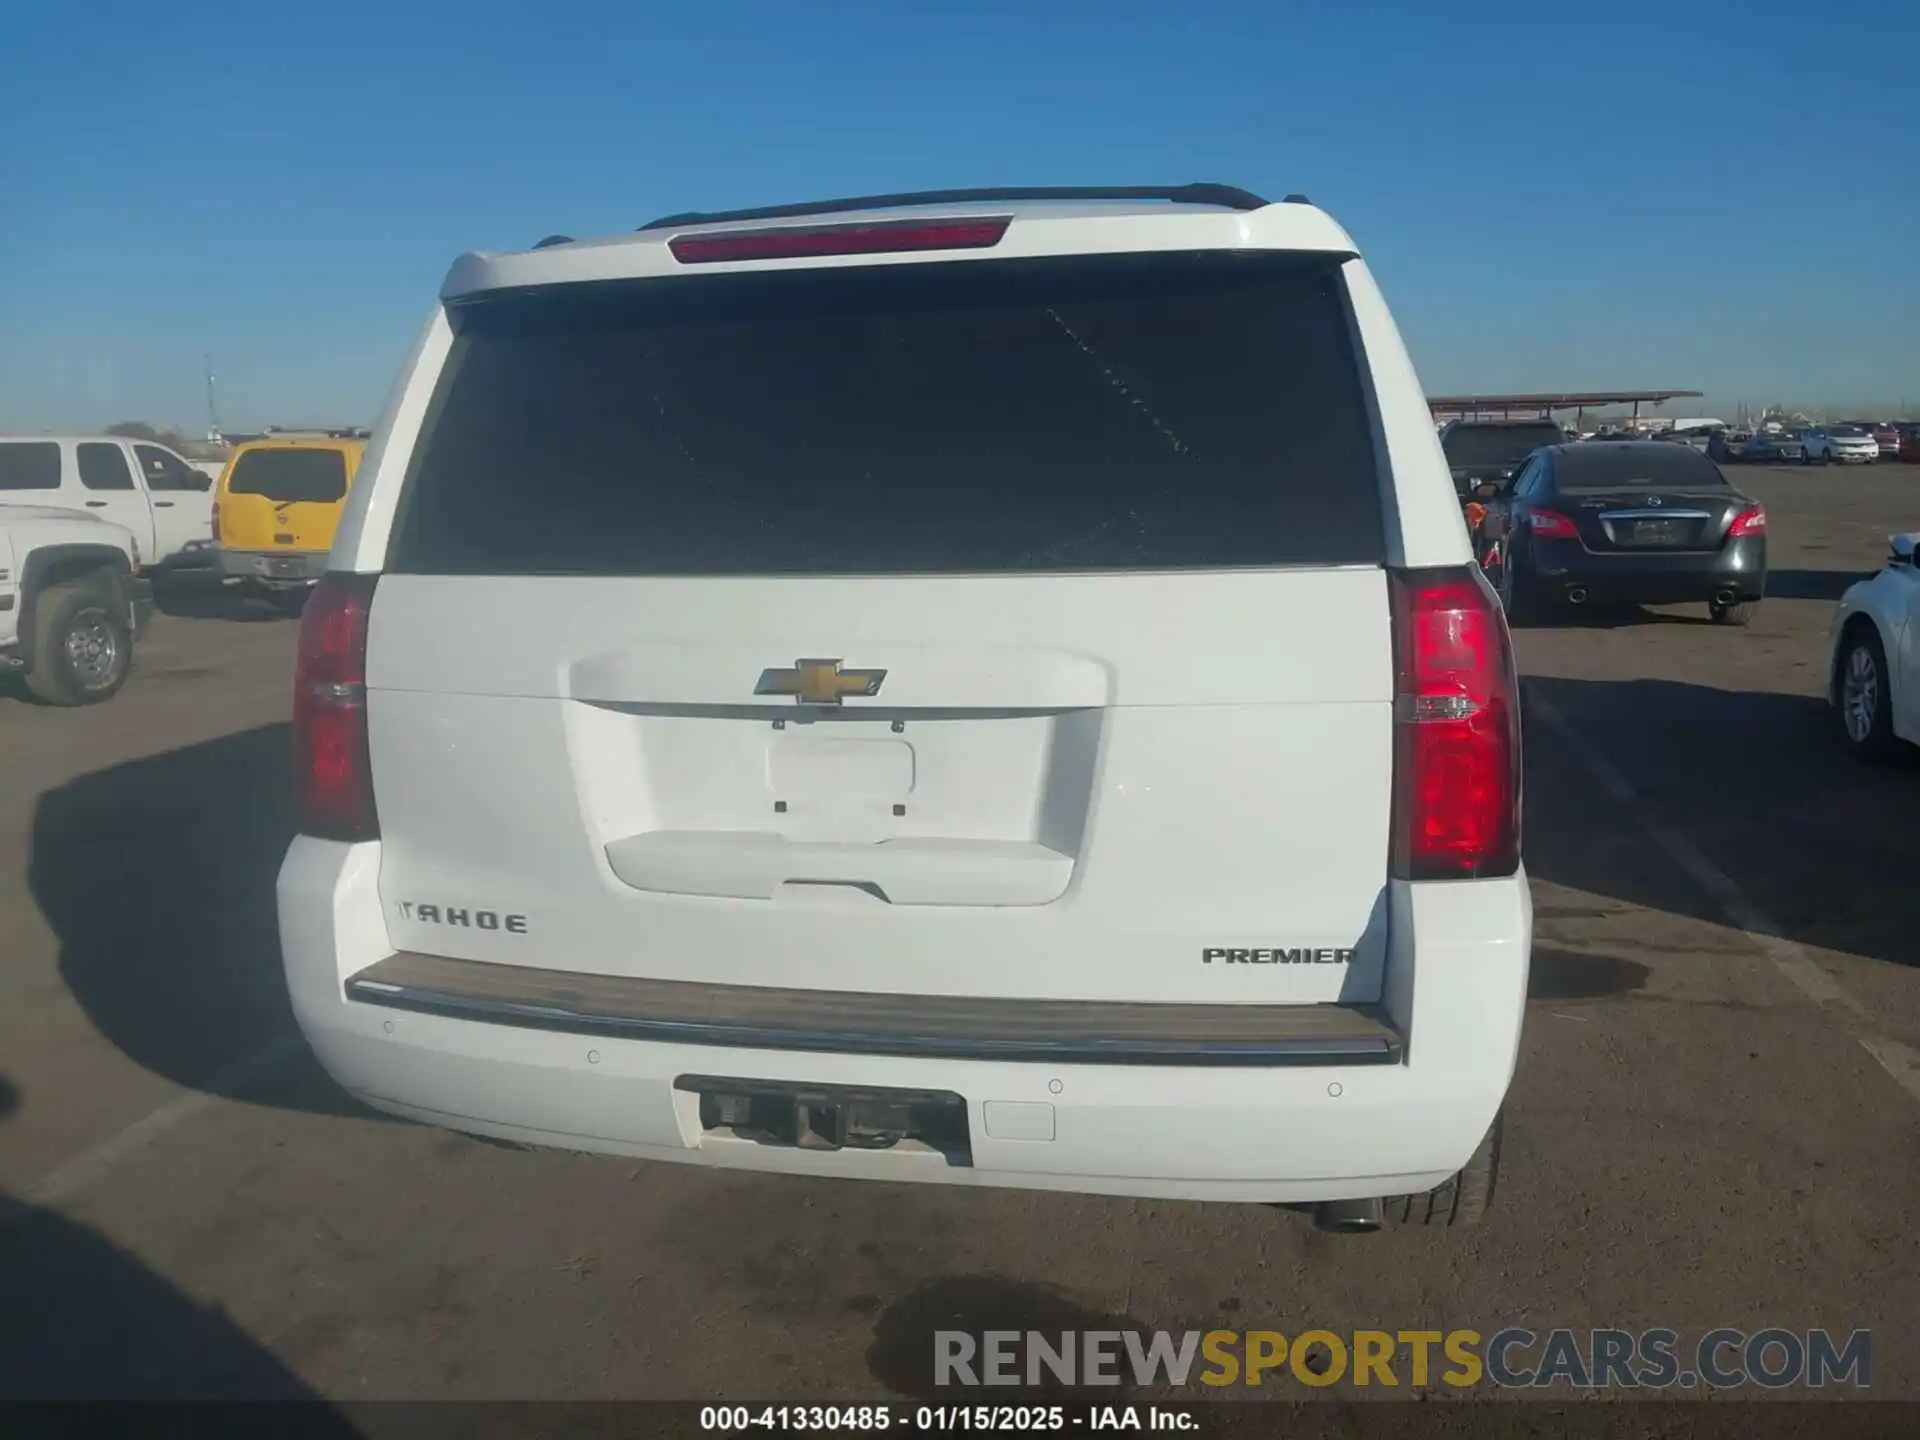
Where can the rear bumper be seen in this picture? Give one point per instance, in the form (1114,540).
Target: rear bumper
(1650,577)
(1293,1128)
(274,567)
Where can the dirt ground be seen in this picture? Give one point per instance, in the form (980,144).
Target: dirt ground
(1708,1126)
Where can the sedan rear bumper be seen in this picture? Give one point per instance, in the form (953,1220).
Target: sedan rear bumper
(1651,577)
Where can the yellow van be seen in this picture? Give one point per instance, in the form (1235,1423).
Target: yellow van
(278,503)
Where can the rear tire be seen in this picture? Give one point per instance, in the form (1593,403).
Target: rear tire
(1515,591)
(1864,701)
(289,602)
(1739,613)
(82,650)
(1463,1200)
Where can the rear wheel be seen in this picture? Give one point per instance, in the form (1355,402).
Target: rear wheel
(1514,589)
(1463,1200)
(289,602)
(1864,698)
(82,650)
(1739,613)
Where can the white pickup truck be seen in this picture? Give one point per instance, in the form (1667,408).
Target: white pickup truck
(70,603)
(162,500)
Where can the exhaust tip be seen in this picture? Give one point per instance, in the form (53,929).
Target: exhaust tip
(1349,1217)
(1727,596)
(1577,594)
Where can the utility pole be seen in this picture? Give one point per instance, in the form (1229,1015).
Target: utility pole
(213,411)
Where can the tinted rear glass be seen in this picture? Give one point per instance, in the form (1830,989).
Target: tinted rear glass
(1653,463)
(315,476)
(1497,444)
(30,465)
(1165,411)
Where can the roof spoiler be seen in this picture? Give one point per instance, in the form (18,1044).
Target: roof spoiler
(1229,197)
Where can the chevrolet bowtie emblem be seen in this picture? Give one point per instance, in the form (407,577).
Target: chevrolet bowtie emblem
(819,682)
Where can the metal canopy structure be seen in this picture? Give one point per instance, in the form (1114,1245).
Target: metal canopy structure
(1504,407)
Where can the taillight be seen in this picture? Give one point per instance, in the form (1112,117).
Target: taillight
(876,237)
(1551,525)
(1457,729)
(216,522)
(1750,521)
(333,772)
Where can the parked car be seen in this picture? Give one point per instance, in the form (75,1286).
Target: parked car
(1776,447)
(71,605)
(1839,444)
(642,877)
(278,505)
(157,496)
(1481,450)
(1697,437)
(1642,522)
(1873,675)
(1729,447)
(1909,451)
(1884,432)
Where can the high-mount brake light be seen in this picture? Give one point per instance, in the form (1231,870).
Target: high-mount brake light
(333,769)
(872,237)
(1457,729)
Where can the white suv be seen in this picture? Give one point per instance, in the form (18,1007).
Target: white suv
(987,687)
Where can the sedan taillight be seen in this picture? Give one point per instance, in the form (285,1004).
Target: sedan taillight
(1750,521)
(1551,525)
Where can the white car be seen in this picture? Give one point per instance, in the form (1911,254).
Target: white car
(70,603)
(1874,673)
(165,502)
(1843,444)
(987,687)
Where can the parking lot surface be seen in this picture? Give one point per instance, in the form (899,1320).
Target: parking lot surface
(1716,1119)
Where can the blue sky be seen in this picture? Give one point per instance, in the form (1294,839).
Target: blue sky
(1548,203)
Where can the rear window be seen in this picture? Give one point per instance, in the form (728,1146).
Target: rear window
(289,476)
(30,465)
(1650,463)
(1497,444)
(1086,413)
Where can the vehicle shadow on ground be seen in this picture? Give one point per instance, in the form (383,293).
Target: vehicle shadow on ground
(1812,584)
(203,597)
(1613,617)
(1760,785)
(157,876)
(1824,585)
(83,1320)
